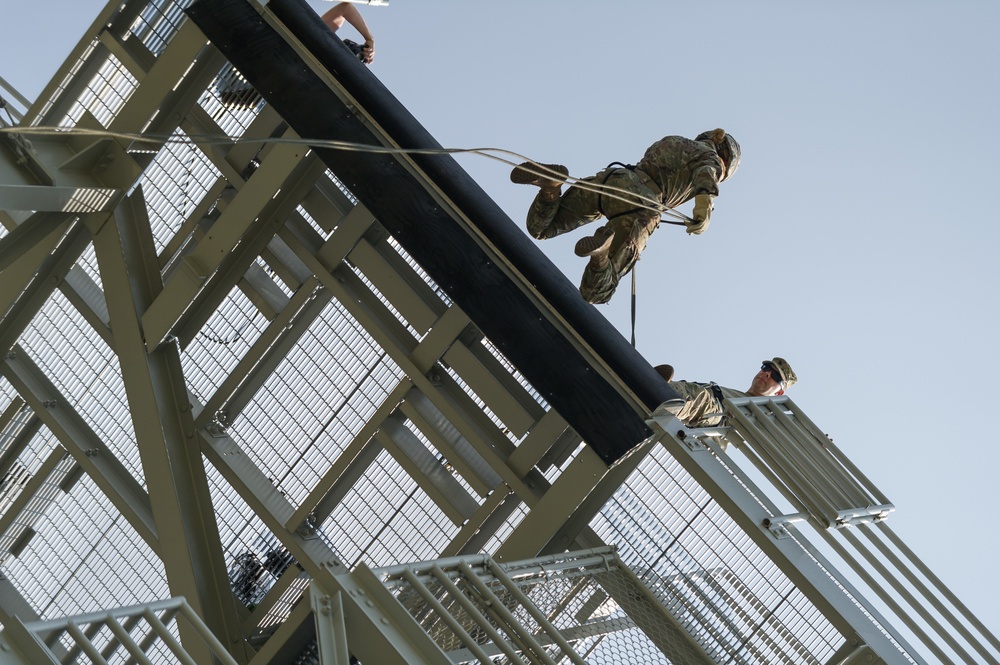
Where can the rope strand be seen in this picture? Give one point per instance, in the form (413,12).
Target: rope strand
(502,155)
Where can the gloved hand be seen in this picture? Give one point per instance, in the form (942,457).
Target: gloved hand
(702,213)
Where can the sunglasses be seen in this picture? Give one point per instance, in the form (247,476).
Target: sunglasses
(773,373)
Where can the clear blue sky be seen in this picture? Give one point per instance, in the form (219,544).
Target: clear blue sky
(857,240)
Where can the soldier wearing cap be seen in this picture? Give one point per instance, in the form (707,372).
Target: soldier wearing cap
(702,405)
(673,170)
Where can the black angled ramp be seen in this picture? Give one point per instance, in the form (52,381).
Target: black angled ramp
(497,303)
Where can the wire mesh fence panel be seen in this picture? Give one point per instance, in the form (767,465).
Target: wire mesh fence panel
(708,573)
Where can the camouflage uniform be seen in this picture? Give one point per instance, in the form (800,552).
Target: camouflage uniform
(673,170)
(701,407)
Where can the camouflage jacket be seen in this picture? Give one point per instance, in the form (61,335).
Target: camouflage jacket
(701,408)
(682,168)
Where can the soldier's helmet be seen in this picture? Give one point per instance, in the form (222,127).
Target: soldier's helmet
(784,369)
(726,146)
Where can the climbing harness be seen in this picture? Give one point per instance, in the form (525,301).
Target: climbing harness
(643,177)
(719,397)
(610,170)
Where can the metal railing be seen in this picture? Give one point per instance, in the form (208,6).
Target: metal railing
(143,634)
(579,607)
(856,547)
(803,462)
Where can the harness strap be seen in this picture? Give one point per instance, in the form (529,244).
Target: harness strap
(600,197)
(717,393)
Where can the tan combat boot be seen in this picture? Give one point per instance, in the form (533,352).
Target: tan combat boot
(596,246)
(542,176)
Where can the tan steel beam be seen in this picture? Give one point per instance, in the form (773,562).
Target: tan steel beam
(374,637)
(321,500)
(41,476)
(290,639)
(555,506)
(77,286)
(164,427)
(427,471)
(476,533)
(262,356)
(42,276)
(160,81)
(13,604)
(57,414)
(245,214)
(400,345)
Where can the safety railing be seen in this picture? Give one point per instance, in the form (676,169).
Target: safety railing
(855,546)
(579,607)
(143,634)
(803,462)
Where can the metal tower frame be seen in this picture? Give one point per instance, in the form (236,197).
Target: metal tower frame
(260,336)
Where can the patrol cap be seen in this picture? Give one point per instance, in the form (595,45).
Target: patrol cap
(784,369)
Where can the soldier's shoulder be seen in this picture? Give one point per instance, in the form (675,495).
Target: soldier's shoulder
(679,147)
(670,141)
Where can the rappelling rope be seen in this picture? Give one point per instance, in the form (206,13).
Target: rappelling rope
(634,266)
(508,157)
(499,154)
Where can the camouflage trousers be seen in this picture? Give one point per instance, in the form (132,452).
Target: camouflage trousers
(630,224)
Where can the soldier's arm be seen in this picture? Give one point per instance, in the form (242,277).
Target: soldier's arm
(345,11)
(706,174)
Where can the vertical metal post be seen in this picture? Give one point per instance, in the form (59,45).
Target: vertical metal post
(331,631)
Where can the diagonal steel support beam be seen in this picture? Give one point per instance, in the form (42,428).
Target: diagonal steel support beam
(209,272)
(376,637)
(57,414)
(37,275)
(164,427)
(19,242)
(17,434)
(77,285)
(13,604)
(57,199)
(347,288)
(265,354)
(37,495)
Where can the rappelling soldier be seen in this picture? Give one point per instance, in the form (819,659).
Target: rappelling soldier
(674,170)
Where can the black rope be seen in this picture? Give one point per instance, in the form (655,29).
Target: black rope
(634,266)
